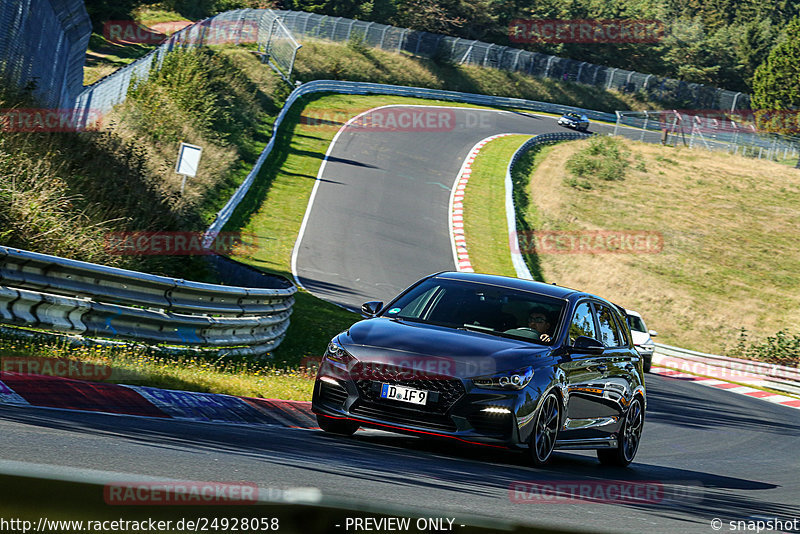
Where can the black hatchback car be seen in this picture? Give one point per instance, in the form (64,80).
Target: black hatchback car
(490,360)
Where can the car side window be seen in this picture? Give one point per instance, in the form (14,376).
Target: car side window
(624,329)
(582,323)
(610,334)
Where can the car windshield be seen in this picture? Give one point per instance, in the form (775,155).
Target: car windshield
(481,307)
(636,324)
(573,115)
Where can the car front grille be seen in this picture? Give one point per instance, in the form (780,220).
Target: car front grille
(404,416)
(366,375)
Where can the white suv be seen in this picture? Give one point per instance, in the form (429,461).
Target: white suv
(642,338)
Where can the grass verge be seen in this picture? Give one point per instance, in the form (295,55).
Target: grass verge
(726,263)
(141,365)
(485,226)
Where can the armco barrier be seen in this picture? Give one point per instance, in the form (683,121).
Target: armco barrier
(755,373)
(66,295)
(511,211)
(364,88)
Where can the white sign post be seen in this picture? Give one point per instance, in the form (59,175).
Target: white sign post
(188,162)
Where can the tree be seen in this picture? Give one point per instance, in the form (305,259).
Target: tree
(755,40)
(776,83)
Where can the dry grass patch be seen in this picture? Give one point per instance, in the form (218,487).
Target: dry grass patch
(729,227)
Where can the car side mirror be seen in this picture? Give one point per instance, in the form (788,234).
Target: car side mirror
(370,309)
(588,345)
(653,333)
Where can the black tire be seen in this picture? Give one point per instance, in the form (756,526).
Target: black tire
(648,362)
(629,437)
(545,430)
(342,427)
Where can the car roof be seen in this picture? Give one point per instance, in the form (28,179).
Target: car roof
(511,283)
(634,313)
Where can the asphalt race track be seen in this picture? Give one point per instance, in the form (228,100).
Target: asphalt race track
(379,222)
(379,218)
(737,454)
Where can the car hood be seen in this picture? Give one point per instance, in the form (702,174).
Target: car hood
(438,350)
(640,338)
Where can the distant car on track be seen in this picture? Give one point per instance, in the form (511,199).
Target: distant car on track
(491,360)
(575,121)
(642,338)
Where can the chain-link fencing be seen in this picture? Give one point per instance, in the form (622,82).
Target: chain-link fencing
(468,52)
(258,26)
(43,47)
(713,131)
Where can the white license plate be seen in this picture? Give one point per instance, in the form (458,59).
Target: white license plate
(404,394)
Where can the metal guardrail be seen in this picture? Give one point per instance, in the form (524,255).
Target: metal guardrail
(66,295)
(364,88)
(511,211)
(779,377)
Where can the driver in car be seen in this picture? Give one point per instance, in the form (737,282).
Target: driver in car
(537,321)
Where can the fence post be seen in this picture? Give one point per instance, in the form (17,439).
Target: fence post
(291,64)
(402,40)
(580,71)
(383,36)
(610,78)
(547,68)
(516,60)
(735,98)
(644,129)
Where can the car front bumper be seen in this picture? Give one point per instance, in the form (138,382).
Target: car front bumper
(462,415)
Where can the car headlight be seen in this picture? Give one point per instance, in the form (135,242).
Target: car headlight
(510,380)
(336,353)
